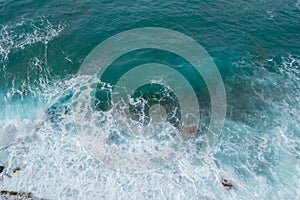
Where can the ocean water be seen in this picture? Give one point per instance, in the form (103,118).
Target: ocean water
(255,46)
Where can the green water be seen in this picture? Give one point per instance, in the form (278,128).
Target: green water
(255,45)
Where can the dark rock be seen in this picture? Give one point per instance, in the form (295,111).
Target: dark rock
(16,169)
(16,194)
(227,184)
(1,169)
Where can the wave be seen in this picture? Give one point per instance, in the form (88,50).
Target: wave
(257,157)
(39,118)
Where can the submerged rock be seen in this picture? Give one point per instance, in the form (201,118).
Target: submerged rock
(190,129)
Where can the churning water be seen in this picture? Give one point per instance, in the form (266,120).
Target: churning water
(45,103)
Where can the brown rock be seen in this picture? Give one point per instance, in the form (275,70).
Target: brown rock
(190,129)
(18,194)
(16,169)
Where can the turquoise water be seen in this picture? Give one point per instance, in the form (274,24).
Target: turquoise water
(255,45)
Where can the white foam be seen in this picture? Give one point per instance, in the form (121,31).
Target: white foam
(260,162)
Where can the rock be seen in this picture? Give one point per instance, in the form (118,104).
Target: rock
(227,184)
(16,169)
(190,129)
(16,194)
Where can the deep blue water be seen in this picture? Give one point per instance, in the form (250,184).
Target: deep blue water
(255,45)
